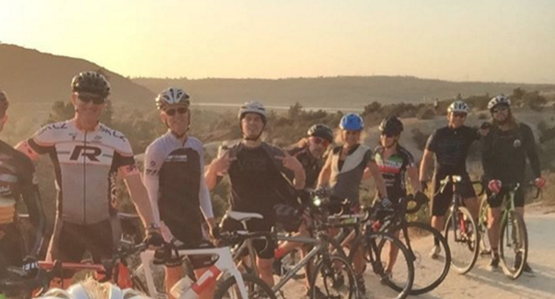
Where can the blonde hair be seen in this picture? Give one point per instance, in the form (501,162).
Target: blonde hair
(339,136)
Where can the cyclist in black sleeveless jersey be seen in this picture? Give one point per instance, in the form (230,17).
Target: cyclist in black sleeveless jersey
(504,152)
(174,178)
(258,175)
(449,145)
(87,157)
(17,181)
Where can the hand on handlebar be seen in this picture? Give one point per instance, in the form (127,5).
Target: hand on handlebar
(539,182)
(495,186)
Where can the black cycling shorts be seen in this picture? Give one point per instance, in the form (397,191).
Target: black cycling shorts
(264,249)
(496,200)
(442,200)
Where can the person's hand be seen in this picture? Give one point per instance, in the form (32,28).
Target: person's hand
(495,186)
(539,182)
(154,238)
(221,165)
(214,232)
(386,204)
(30,265)
(290,162)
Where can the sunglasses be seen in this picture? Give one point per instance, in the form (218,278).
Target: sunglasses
(499,109)
(320,141)
(458,114)
(95,100)
(172,111)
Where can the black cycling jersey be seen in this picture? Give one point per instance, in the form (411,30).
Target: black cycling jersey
(258,179)
(311,166)
(17,181)
(393,170)
(504,154)
(450,147)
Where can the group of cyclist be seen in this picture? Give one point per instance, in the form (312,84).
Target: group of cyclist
(172,196)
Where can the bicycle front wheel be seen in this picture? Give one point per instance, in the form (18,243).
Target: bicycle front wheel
(255,287)
(513,244)
(333,277)
(429,271)
(463,238)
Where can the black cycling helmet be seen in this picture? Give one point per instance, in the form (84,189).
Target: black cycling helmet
(91,82)
(321,131)
(391,125)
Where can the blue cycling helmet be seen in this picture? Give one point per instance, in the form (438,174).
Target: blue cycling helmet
(351,122)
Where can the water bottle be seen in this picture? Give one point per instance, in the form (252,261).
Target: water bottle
(185,288)
(181,287)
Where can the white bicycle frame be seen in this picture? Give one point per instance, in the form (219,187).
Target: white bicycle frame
(224,263)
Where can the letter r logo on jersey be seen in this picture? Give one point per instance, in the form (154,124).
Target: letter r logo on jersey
(90,152)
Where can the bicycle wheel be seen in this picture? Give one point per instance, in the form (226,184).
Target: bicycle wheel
(391,279)
(428,272)
(255,287)
(513,244)
(463,238)
(485,246)
(333,277)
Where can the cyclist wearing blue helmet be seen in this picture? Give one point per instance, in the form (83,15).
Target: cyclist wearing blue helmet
(344,169)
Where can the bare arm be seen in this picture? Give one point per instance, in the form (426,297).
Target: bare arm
(140,198)
(325,173)
(413,177)
(378,179)
(426,158)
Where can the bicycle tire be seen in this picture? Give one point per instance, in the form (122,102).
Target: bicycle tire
(256,288)
(514,221)
(373,246)
(485,244)
(328,267)
(421,238)
(468,243)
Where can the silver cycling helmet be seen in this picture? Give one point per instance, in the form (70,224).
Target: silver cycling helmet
(499,100)
(252,107)
(458,106)
(90,289)
(170,96)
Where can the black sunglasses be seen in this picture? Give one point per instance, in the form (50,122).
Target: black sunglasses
(172,111)
(458,114)
(499,109)
(95,100)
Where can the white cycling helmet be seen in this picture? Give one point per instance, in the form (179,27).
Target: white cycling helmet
(172,96)
(458,106)
(91,289)
(252,107)
(499,100)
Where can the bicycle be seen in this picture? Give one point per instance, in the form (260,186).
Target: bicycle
(331,274)
(461,230)
(514,235)
(231,282)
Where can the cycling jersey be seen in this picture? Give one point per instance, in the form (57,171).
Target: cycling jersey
(311,166)
(174,178)
(393,169)
(86,165)
(450,147)
(504,154)
(346,175)
(17,181)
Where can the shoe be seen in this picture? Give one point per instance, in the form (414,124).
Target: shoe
(434,253)
(361,284)
(527,270)
(494,263)
(278,269)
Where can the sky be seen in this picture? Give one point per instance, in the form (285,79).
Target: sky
(470,40)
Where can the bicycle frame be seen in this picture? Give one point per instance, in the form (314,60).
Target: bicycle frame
(224,263)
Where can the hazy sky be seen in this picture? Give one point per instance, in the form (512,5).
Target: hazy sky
(465,40)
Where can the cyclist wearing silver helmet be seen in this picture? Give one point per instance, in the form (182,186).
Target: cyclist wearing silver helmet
(174,178)
(258,174)
(449,145)
(504,153)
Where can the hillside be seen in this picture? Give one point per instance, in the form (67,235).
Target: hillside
(30,76)
(332,92)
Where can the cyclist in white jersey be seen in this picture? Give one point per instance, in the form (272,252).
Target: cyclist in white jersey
(174,178)
(87,156)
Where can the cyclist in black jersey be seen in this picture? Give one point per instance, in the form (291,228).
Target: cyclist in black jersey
(504,152)
(17,181)
(258,174)
(449,145)
(87,156)
(394,162)
(174,178)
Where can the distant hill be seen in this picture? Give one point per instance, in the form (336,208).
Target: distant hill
(30,76)
(332,92)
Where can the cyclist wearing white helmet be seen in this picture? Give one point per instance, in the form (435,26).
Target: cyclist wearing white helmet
(343,172)
(504,152)
(174,178)
(87,157)
(91,289)
(258,174)
(17,181)
(450,146)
